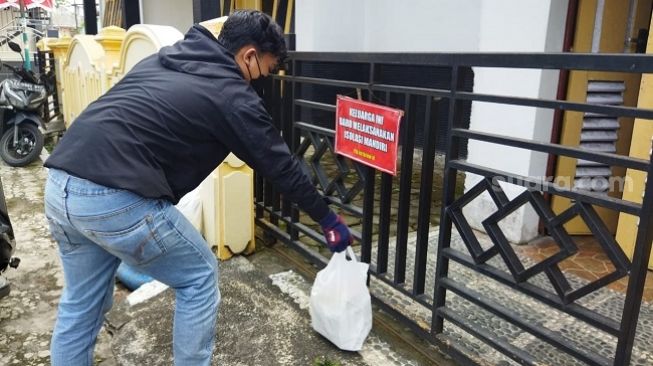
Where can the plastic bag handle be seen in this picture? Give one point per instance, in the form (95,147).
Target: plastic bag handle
(351,254)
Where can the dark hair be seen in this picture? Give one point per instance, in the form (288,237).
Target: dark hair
(252,27)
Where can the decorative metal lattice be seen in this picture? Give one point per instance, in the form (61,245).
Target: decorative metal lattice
(554,224)
(338,175)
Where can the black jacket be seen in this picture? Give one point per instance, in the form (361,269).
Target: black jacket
(172,120)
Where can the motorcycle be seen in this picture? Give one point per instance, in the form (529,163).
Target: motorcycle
(21,100)
(7,245)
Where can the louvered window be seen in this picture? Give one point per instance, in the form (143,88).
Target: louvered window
(599,133)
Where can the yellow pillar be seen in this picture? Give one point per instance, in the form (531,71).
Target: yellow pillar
(249,4)
(228,208)
(59,48)
(111,40)
(214,25)
(640,147)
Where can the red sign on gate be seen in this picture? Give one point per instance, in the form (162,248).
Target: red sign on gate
(368,133)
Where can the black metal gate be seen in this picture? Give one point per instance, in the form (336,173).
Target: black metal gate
(302,103)
(46,67)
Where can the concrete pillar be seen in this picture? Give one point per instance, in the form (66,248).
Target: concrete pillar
(514,26)
(111,40)
(334,25)
(228,208)
(175,13)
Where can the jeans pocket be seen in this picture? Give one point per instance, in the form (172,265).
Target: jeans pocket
(60,236)
(136,245)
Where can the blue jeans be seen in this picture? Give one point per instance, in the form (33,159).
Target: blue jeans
(98,227)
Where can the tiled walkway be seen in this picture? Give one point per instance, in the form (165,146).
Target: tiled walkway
(595,344)
(590,263)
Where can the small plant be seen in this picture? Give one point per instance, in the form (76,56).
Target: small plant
(325,362)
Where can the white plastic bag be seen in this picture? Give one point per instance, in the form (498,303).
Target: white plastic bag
(340,303)
(190,205)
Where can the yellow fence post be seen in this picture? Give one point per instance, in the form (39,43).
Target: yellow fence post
(59,48)
(111,38)
(228,208)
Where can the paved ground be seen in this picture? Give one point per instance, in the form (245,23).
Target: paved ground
(263,317)
(27,315)
(256,326)
(260,322)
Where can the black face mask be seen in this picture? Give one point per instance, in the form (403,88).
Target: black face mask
(259,85)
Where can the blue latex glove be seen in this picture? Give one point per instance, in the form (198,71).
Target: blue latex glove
(336,232)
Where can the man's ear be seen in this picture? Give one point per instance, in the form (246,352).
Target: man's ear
(249,52)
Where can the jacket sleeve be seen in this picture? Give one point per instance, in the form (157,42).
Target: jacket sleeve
(258,143)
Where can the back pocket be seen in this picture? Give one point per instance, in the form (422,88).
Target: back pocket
(136,245)
(59,235)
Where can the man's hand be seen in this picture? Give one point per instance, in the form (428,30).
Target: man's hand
(336,232)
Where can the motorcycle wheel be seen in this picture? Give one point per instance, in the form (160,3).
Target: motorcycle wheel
(28,148)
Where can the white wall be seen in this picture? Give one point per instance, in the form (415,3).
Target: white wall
(460,26)
(422,25)
(175,13)
(387,25)
(333,25)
